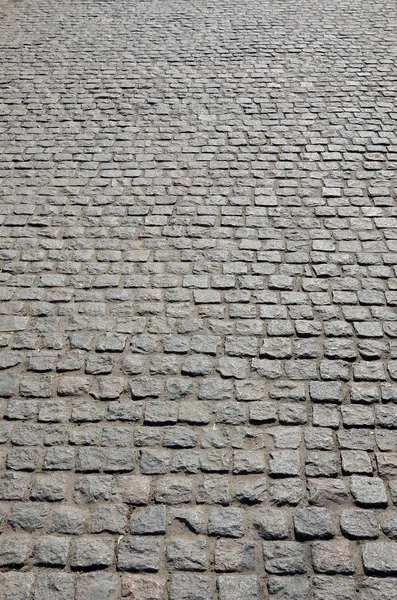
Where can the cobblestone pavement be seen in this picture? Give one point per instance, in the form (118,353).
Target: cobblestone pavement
(198,324)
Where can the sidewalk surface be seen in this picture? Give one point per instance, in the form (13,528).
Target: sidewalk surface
(198,325)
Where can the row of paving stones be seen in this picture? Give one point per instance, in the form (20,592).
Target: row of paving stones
(295,369)
(215,388)
(137,553)
(186,586)
(206,489)
(308,523)
(157,461)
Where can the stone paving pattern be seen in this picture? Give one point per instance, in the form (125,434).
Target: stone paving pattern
(198,323)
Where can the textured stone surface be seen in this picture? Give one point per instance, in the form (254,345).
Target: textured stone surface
(198,327)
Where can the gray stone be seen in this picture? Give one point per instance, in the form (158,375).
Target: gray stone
(51,551)
(373,588)
(189,586)
(234,587)
(108,518)
(97,586)
(368,491)
(69,520)
(285,558)
(186,554)
(30,516)
(286,492)
(138,554)
(380,558)
(92,552)
(327,587)
(284,463)
(173,490)
(289,588)
(333,556)
(149,521)
(55,586)
(14,550)
(313,523)
(389,525)
(359,524)
(226,522)
(16,586)
(272,523)
(232,555)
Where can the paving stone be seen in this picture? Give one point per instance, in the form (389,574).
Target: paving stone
(226,522)
(322,464)
(359,524)
(373,588)
(97,586)
(91,552)
(186,586)
(14,550)
(237,586)
(333,556)
(184,554)
(284,463)
(51,551)
(285,558)
(272,523)
(8,386)
(111,519)
(286,492)
(326,587)
(232,555)
(69,520)
(57,586)
(173,490)
(148,521)
(389,525)
(368,491)
(313,523)
(356,461)
(192,518)
(380,558)
(29,516)
(143,586)
(16,586)
(138,554)
(134,489)
(326,392)
(291,588)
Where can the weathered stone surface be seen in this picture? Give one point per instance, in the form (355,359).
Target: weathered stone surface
(139,554)
(313,523)
(333,556)
(282,558)
(368,491)
(16,586)
(234,587)
(359,524)
(326,587)
(97,586)
(380,558)
(143,587)
(186,586)
(14,550)
(232,555)
(54,586)
(373,588)
(198,331)
(226,522)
